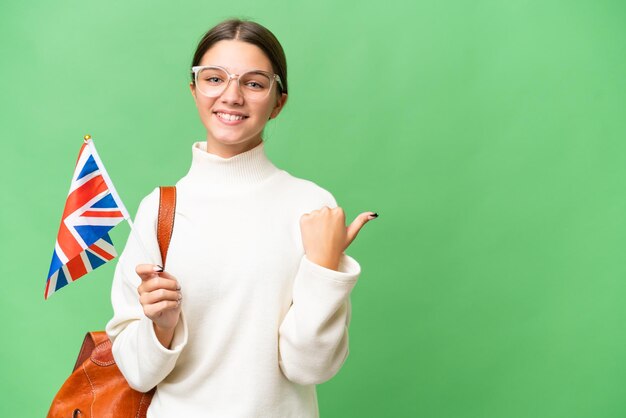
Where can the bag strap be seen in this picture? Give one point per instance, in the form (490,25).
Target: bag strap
(92,339)
(165,227)
(165,224)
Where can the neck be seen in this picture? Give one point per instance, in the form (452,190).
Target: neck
(228,151)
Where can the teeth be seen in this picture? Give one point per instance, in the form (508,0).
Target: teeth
(227,116)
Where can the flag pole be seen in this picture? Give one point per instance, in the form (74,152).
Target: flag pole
(116,197)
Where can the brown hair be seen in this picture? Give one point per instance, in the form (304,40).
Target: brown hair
(250,32)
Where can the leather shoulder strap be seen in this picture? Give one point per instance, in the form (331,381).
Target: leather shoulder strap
(165,224)
(92,339)
(165,227)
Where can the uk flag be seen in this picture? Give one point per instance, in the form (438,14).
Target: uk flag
(92,209)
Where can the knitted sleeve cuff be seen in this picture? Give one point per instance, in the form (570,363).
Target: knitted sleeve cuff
(154,350)
(348,271)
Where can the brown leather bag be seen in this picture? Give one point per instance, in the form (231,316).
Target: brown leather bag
(97,388)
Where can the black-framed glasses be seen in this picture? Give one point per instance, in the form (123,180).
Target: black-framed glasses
(213,80)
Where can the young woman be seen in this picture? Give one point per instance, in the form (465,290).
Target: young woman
(253,308)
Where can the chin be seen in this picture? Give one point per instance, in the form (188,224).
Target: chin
(232,139)
(227,136)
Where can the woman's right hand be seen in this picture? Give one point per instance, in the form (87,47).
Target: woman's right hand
(160,296)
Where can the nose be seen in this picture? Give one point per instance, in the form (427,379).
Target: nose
(232,93)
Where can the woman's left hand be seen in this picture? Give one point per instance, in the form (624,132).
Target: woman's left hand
(325,236)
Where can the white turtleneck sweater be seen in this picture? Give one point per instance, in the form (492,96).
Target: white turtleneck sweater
(261,324)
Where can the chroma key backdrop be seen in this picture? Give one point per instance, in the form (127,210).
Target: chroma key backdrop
(488,135)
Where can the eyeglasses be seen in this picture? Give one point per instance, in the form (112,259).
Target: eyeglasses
(213,80)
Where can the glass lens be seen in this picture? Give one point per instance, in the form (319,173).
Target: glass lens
(255,85)
(212,81)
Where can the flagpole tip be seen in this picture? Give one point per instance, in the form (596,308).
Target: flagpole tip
(87,137)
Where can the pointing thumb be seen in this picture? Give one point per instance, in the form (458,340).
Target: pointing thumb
(357,224)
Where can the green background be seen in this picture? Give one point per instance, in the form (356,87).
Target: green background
(488,135)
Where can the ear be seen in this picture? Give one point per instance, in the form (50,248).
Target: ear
(193,90)
(280,103)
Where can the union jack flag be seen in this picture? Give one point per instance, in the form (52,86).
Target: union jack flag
(92,208)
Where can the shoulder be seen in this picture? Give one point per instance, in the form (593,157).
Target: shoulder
(305,190)
(148,206)
(151,199)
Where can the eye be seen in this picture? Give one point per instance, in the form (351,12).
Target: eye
(255,85)
(255,81)
(213,80)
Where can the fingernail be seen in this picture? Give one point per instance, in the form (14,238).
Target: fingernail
(158,268)
(375,215)
(178,286)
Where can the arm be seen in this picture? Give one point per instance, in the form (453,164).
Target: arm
(139,354)
(313,337)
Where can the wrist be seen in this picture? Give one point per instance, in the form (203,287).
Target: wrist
(329,262)
(163,330)
(164,335)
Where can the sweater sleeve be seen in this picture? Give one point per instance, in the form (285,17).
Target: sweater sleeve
(141,358)
(313,337)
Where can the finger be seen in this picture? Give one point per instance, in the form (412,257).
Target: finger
(166,275)
(147,271)
(357,224)
(152,310)
(315,212)
(160,295)
(156,283)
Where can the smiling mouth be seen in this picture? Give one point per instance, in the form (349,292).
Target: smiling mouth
(229,117)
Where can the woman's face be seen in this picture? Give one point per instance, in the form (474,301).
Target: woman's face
(230,137)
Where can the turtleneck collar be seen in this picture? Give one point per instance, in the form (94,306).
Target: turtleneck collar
(242,170)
